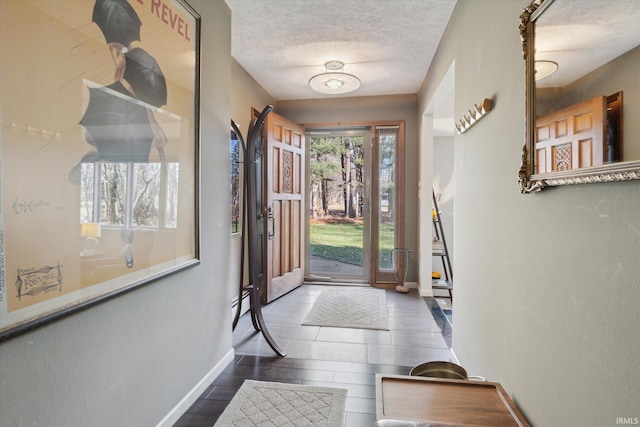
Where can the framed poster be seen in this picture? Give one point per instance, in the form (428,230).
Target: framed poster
(99,152)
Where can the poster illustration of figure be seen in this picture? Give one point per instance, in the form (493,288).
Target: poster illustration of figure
(117,126)
(98,149)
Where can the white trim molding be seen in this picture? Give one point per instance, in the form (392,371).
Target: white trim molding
(186,402)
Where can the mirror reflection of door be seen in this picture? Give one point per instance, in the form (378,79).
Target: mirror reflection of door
(583,62)
(339,194)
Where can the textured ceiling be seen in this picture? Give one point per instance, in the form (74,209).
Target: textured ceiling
(388,44)
(582,35)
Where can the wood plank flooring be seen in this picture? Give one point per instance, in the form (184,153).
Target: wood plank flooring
(333,357)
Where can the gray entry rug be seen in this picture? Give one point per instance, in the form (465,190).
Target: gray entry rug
(272,404)
(360,308)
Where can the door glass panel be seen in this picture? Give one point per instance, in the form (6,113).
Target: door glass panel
(337,195)
(236,191)
(260,205)
(387,150)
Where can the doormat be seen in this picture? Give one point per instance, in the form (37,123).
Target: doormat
(361,308)
(272,404)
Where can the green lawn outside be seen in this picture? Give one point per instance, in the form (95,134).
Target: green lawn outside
(343,242)
(386,245)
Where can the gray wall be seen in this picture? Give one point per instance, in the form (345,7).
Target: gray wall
(131,360)
(246,93)
(546,295)
(359,109)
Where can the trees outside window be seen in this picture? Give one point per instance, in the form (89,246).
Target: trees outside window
(130,195)
(337,176)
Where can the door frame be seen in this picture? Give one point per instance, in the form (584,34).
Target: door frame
(377,277)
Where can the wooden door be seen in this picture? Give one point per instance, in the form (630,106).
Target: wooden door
(284,168)
(573,137)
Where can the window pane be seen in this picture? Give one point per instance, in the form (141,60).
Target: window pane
(87,185)
(387,145)
(114,189)
(171,205)
(336,231)
(146,195)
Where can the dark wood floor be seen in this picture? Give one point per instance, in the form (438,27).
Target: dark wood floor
(338,357)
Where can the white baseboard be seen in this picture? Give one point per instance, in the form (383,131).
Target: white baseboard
(424,291)
(186,402)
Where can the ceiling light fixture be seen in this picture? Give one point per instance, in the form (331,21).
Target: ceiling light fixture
(544,69)
(334,80)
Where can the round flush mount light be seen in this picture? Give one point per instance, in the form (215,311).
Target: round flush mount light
(334,80)
(544,69)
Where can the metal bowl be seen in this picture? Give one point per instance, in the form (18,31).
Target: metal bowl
(440,370)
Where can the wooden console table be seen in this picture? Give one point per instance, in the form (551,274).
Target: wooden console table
(445,401)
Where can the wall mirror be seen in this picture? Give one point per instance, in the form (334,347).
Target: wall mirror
(582,61)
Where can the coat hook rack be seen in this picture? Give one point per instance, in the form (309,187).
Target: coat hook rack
(474,115)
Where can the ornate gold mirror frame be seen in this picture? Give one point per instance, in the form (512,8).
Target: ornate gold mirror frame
(529,181)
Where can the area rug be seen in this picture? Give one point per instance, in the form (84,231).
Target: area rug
(272,404)
(360,308)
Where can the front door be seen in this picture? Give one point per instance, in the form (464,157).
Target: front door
(356,220)
(284,169)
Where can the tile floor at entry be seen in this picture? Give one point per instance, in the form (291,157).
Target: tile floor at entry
(333,357)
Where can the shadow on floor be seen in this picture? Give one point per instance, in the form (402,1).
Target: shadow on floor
(340,357)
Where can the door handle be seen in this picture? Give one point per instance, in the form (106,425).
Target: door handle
(270,217)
